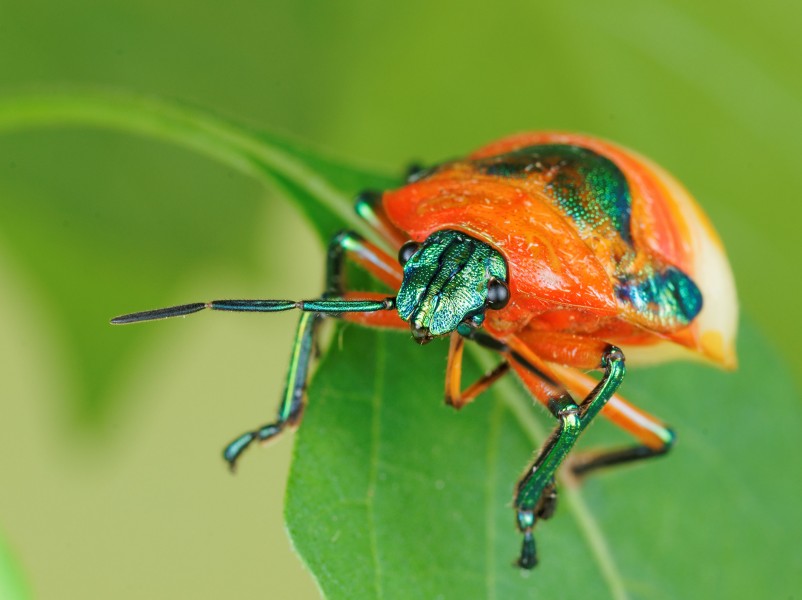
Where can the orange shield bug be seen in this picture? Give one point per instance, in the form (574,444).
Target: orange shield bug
(562,253)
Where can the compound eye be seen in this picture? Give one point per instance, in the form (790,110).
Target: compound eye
(406,252)
(498,294)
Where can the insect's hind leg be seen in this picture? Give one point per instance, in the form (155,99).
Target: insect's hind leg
(345,244)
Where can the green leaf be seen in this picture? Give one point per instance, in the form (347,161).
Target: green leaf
(394,495)
(322,187)
(12,583)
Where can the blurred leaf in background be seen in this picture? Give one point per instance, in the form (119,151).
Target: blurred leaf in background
(12,583)
(114,437)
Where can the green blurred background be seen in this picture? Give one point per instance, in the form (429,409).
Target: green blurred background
(112,485)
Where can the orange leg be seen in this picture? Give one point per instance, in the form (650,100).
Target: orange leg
(568,349)
(455,396)
(375,261)
(536,493)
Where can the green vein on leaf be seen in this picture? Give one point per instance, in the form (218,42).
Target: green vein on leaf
(490,487)
(375,440)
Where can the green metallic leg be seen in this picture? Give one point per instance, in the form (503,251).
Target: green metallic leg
(292,403)
(369,207)
(536,493)
(592,462)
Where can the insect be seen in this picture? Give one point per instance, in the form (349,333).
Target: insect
(560,252)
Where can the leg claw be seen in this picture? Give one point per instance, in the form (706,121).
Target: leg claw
(528,558)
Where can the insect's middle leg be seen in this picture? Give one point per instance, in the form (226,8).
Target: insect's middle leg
(380,264)
(455,395)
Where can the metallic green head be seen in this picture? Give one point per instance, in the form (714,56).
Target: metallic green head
(450,279)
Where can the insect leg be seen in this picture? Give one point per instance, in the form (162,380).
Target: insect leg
(292,403)
(369,207)
(529,497)
(535,493)
(582,352)
(655,437)
(455,396)
(343,245)
(334,302)
(369,256)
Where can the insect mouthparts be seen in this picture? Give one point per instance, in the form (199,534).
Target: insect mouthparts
(422,335)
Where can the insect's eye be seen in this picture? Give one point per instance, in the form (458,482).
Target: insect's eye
(498,294)
(406,252)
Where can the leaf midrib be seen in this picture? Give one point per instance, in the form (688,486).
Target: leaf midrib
(375,440)
(494,430)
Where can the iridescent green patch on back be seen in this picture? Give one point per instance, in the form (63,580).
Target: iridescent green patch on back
(592,191)
(446,281)
(668,296)
(587,187)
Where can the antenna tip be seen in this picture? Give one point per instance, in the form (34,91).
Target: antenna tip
(159,313)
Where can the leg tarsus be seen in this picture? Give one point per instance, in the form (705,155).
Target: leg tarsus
(234,450)
(526,520)
(528,559)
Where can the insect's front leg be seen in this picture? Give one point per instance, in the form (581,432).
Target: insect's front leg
(292,403)
(655,437)
(344,245)
(535,494)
